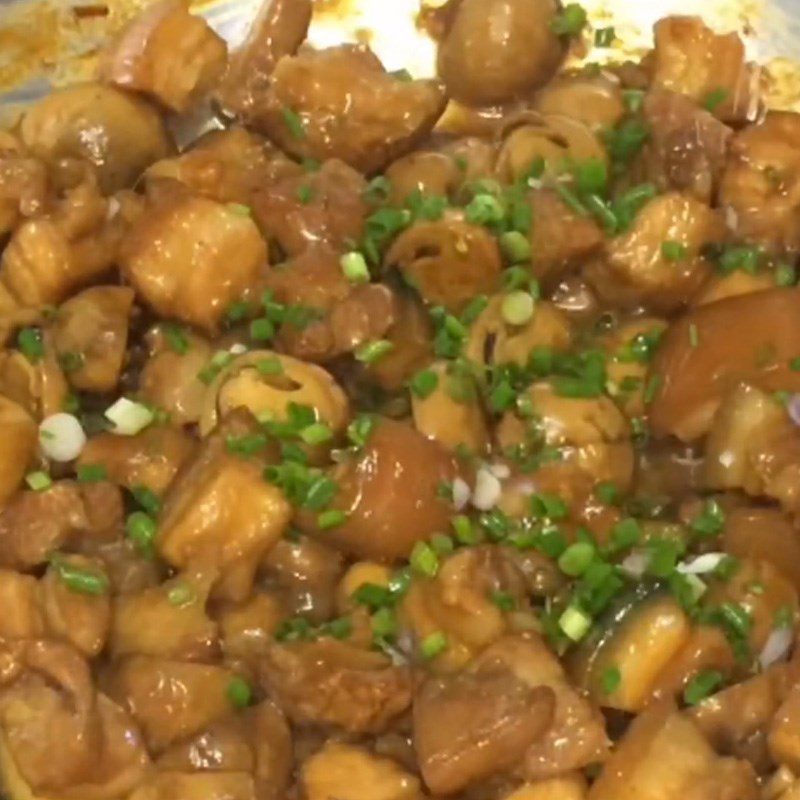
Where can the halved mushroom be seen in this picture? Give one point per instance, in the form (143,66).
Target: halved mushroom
(497,50)
(341,103)
(424,172)
(189,258)
(593,98)
(448,262)
(452,413)
(269,391)
(119,133)
(167,53)
(493,340)
(553,138)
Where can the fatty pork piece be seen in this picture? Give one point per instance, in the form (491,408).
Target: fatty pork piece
(221,512)
(59,736)
(189,258)
(167,53)
(341,103)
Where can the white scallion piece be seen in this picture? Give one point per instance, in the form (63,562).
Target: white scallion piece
(700,565)
(461,494)
(128,417)
(61,437)
(777,647)
(487,490)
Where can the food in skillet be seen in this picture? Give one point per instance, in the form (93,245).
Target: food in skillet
(350,454)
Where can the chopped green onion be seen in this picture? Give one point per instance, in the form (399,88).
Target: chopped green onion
(710,520)
(176,338)
(503,600)
(91,473)
(141,530)
(627,139)
(515,246)
(29,341)
(271,365)
(518,308)
(262,329)
(317,433)
(378,190)
(71,362)
(293,122)
(673,251)
(247,445)
(38,481)
(77,579)
(383,624)
(701,686)
(571,200)
(715,98)
(182,594)
(354,266)
(570,21)
(433,645)
(239,209)
(464,531)
(785,275)
(424,383)
(548,506)
(237,311)
(305,193)
(603,212)
(240,693)
(740,257)
(651,388)
(591,176)
(372,352)
(442,544)
(610,680)
(575,623)
(604,37)
(146,498)
(633,100)
(424,560)
(331,518)
(359,430)
(575,560)
(484,209)
(694,336)
(607,493)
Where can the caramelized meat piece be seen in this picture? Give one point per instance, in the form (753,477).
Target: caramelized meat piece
(81,619)
(750,339)
(448,262)
(689,58)
(24,185)
(19,435)
(171,700)
(761,183)
(321,207)
(167,53)
(228,166)
(35,524)
(341,103)
(476,724)
(576,735)
(221,512)
(687,148)
(151,458)
(560,239)
(21,597)
(169,621)
(635,270)
(189,258)
(497,50)
(352,773)
(62,737)
(90,335)
(277,31)
(664,755)
(332,683)
(389,492)
(120,134)
(307,572)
